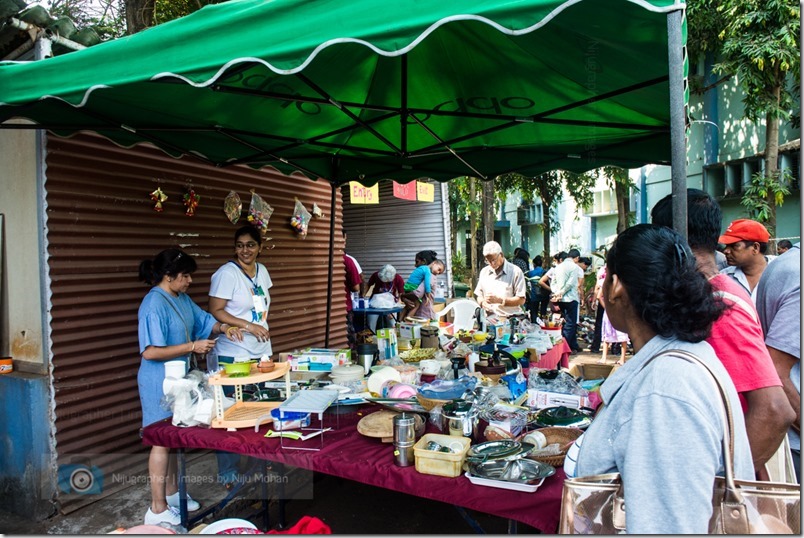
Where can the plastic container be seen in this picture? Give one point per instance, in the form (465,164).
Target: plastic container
(441,463)
(290,420)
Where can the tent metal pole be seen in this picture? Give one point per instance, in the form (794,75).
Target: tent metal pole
(678,142)
(331,258)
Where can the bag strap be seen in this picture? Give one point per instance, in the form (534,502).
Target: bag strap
(734,514)
(733,511)
(184,321)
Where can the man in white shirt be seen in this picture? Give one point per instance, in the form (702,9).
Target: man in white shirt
(500,287)
(564,286)
(746,243)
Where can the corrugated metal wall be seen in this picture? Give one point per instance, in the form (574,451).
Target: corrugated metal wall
(100,225)
(394,230)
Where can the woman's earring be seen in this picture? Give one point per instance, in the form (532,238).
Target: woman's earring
(170,280)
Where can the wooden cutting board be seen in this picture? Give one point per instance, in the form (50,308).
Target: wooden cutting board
(381,424)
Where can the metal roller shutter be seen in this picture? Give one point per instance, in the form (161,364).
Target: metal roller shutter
(394,230)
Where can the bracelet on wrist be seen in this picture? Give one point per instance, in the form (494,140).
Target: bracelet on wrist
(192,347)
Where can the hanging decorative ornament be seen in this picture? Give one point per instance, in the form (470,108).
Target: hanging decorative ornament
(191,200)
(159,198)
(232,206)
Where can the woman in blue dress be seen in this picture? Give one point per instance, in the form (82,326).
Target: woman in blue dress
(171,327)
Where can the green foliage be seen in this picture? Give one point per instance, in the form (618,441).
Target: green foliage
(460,272)
(762,187)
(705,22)
(460,199)
(760,46)
(104,16)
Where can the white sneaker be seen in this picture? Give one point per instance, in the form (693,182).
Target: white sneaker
(171,515)
(192,504)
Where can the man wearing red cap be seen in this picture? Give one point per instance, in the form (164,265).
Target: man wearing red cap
(746,243)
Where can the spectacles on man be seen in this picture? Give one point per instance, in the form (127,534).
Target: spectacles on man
(249,245)
(491,259)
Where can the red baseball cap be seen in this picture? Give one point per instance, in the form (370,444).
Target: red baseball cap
(744,230)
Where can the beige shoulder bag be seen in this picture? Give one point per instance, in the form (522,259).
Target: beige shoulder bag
(596,505)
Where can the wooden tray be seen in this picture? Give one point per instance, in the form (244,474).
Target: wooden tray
(255,377)
(380,424)
(245,414)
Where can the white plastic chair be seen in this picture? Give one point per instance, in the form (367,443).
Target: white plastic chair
(464,315)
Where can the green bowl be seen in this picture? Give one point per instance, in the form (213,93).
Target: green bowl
(237,369)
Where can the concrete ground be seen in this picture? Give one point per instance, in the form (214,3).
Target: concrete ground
(347,507)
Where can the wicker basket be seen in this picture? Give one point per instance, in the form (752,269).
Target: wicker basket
(430,403)
(564,437)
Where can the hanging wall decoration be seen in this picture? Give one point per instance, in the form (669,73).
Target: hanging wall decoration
(159,198)
(232,206)
(259,212)
(191,200)
(300,219)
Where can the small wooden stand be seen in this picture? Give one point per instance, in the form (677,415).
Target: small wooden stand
(245,414)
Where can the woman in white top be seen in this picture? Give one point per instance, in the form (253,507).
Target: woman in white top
(239,296)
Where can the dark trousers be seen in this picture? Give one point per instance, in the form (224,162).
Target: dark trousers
(538,307)
(569,311)
(595,346)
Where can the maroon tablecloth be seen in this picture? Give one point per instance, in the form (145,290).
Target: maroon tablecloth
(348,454)
(559,353)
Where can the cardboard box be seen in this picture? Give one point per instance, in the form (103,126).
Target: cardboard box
(319,359)
(387,343)
(592,370)
(539,399)
(411,331)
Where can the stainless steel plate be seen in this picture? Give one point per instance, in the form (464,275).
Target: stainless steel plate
(520,471)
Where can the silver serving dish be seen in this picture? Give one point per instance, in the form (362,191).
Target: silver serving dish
(503,450)
(520,471)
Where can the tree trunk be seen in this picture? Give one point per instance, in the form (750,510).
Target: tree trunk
(488,211)
(546,232)
(139,15)
(772,163)
(473,260)
(621,193)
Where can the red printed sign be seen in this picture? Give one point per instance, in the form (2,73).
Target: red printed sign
(406,191)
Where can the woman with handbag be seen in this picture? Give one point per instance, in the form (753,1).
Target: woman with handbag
(662,421)
(171,327)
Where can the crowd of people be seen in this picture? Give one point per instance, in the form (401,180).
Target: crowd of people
(655,291)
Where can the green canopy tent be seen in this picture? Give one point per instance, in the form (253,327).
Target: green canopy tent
(367,89)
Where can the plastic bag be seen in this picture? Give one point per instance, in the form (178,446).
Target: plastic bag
(382,300)
(259,213)
(232,206)
(300,219)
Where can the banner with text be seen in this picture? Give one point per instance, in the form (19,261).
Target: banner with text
(425,191)
(360,194)
(405,191)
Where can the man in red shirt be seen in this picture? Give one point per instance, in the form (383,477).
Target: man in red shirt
(737,336)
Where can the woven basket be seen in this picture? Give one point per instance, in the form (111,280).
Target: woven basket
(561,435)
(430,403)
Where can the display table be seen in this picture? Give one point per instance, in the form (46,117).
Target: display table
(347,454)
(558,354)
(381,313)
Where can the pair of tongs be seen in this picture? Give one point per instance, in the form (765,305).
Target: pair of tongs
(296,435)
